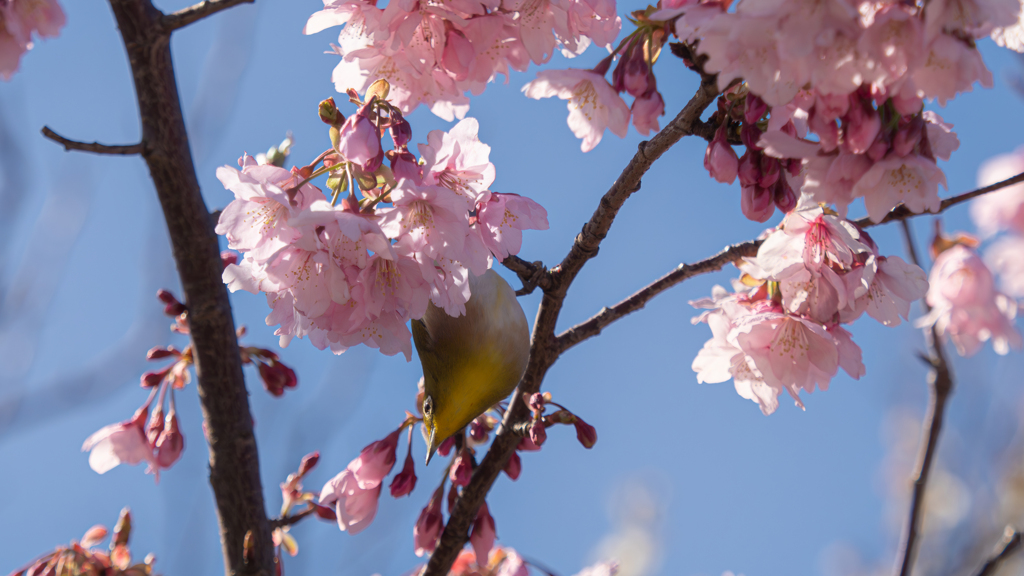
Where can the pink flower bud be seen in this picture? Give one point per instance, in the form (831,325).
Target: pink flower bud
(769,172)
(757,203)
(171,443)
(825,128)
(308,462)
(861,126)
(461,470)
(755,109)
(514,466)
(446,447)
(123,528)
(478,431)
(228,257)
(908,137)
(172,306)
(156,353)
(750,134)
(325,512)
(428,526)
(527,445)
(537,402)
(329,113)
(359,139)
(749,168)
(405,481)
(375,461)
(400,129)
(538,433)
(276,377)
(483,535)
(155,426)
(636,77)
(585,433)
(720,159)
(785,198)
(94,536)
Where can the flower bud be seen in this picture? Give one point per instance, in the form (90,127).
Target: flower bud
(428,526)
(155,425)
(308,462)
(276,377)
(527,445)
(172,307)
(538,433)
(123,528)
(514,466)
(228,257)
(783,195)
(400,129)
(359,139)
(171,443)
(537,402)
(720,159)
(405,481)
(585,433)
(750,135)
(483,535)
(755,109)
(769,172)
(861,125)
(150,379)
(908,137)
(749,168)
(461,470)
(757,203)
(325,512)
(156,353)
(375,461)
(94,536)
(446,447)
(478,431)
(329,113)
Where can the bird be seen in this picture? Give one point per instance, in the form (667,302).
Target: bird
(473,361)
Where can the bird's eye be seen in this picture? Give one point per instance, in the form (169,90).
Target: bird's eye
(428,406)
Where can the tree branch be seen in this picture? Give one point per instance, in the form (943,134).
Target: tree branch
(171,22)
(234,461)
(1008,545)
(95,147)
(940,383)
(593,326)
(293,519)
(544,347)
(533,274)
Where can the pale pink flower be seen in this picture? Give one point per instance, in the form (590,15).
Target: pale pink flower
(830,179)
(895,42)
(482,537)
(951,67)
(810,238)
(256,222)
(501,219)
(941,138)
(1002,209)
(884,287)
(312,278)
(355,507)
(433,218)
(1006,258)
(123,443)
(375,461)
(513,564)
(605,568)
(593,103)
(428,525)
(390,285)
(458,160)
(645,110)
(910,180)
(19,19)
(966,306)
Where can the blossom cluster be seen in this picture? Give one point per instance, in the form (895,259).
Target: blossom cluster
(854,75)
(84,556)
(19,20)
(354,493)
(434,52)
(354,268)
(782,328)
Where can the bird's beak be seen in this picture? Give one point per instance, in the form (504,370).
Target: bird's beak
(431,444)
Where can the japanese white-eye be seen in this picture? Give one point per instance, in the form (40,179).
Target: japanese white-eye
(470,362)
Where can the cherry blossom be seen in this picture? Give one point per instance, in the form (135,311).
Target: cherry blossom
(1002,209)
(593,104)
(123,443)
(19,20)
(355,506)
(966,307)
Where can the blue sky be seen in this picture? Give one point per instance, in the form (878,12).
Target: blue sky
(85,252)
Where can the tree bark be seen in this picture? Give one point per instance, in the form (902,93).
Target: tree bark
(234,462)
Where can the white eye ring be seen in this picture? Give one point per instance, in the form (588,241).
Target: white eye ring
(428,406)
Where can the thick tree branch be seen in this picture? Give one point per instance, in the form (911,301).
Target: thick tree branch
(171,22)
(940,383)
(1007,546)
(234,461)
(544,347)
(95,147)
(593,326)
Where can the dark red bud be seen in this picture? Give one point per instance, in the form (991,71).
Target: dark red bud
(446,446)
(478,431)
(537,402)
(308,462)
(538,433)
(228,257)
(325,512)
(585,433)
(157,353)
(755,109)
(405,481)
(461,470)
(150,379)
(514,466)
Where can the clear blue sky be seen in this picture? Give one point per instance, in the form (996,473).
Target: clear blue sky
(84,251)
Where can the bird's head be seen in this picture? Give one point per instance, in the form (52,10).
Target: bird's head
(430,427)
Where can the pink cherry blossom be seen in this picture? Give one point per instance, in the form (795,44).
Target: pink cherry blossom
(501,219)
(19,19)
(966,307)
(1002,209)
(593,103)
(884,287)
(458,160)
(951,67)
(513,564)
(359,139)
(605,568)
(256,222)
(645,110)
(355,507)
(910,180)
(433,218)
(720,159)
(123,443)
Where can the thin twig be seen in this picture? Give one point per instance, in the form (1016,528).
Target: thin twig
(544,348)
(593,326)
(532,274)
(1008,545)
(940,382)
(196,12)
(293,519)
(94,147)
